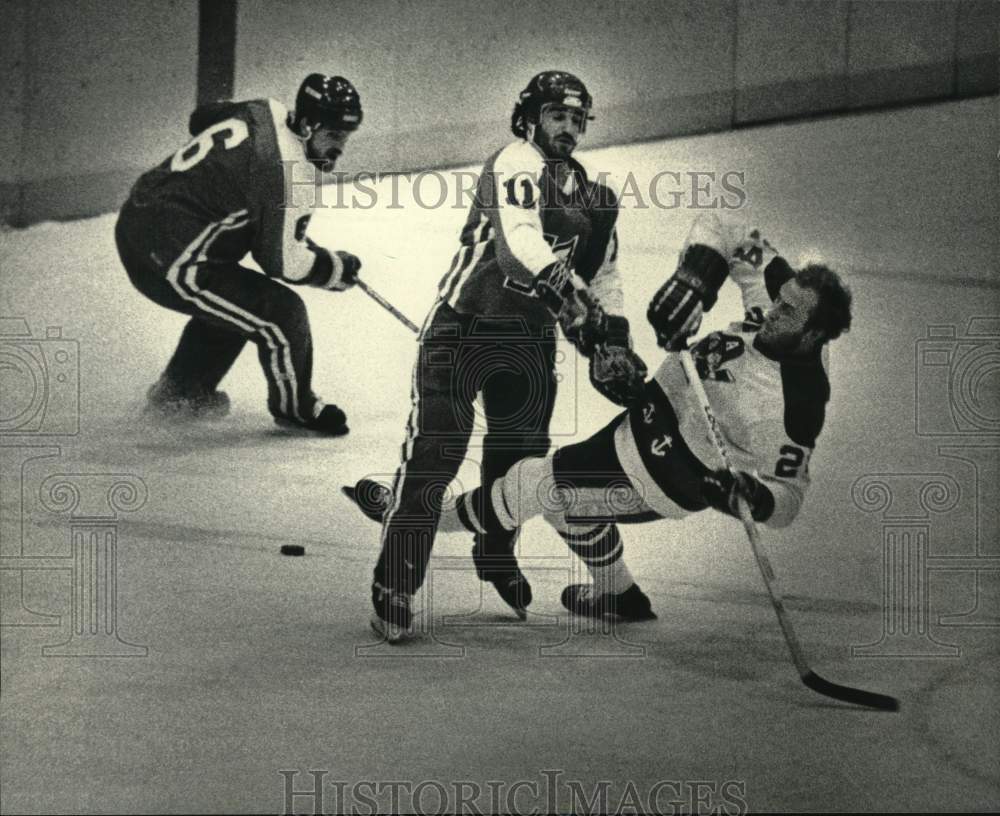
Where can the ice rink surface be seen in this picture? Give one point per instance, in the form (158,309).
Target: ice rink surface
(214,663)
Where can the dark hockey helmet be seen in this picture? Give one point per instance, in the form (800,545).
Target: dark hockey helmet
(326,101)
(548,88)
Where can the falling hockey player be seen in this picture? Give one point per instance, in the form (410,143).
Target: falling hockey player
(767,384)
(189,222)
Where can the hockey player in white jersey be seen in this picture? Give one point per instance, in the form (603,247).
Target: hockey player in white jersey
(766,380)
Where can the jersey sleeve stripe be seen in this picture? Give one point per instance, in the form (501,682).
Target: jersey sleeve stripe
(484,235)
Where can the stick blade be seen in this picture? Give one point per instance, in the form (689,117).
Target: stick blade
(870,699)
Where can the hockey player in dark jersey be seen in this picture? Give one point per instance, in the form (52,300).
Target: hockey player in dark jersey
(766,380)
(538,250)
(189,222)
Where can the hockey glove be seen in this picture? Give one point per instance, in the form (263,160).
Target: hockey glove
(345,271)
(721,489)
(617,372)
(336,271)
(581,318)
(676,309)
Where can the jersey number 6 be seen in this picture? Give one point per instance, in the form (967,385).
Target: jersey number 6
(199,147)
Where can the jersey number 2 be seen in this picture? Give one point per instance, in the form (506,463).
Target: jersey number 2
(194,151)
(790,461)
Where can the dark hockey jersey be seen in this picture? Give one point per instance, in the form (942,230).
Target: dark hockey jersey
(230,183)
(526,214)
(770,413)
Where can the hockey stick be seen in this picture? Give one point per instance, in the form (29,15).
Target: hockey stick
(385,304)
(809,677)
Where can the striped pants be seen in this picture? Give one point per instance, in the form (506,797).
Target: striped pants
(172,259)
(507,362)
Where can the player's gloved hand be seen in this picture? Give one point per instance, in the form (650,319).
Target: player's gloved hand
(336,271)
(617,372)
(585,323)
(676,309)
(721,488)
(753,255)
(345,271)
(675,314)
(582,319)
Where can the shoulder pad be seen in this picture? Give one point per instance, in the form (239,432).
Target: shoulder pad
(517,157)
(212,113)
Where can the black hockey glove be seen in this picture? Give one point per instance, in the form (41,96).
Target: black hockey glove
(617,372)
(336,271)
(720,489)
(676,309)
(583,320)
(345,271)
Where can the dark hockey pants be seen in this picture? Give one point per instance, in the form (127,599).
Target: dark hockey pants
(508,363)
(229,305)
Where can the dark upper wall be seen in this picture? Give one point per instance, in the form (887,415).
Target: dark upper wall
(105,87)
(111,82)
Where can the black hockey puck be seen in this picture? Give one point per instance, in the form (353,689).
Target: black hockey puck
(293,549)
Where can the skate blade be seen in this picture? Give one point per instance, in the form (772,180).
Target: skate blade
(390,632)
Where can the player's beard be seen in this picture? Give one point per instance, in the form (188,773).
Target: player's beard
(781,345)
(324,162)
(560,147)
(328,162)
(563,147)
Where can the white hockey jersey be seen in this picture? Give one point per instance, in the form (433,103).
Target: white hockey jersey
(770,412)
(529,212)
